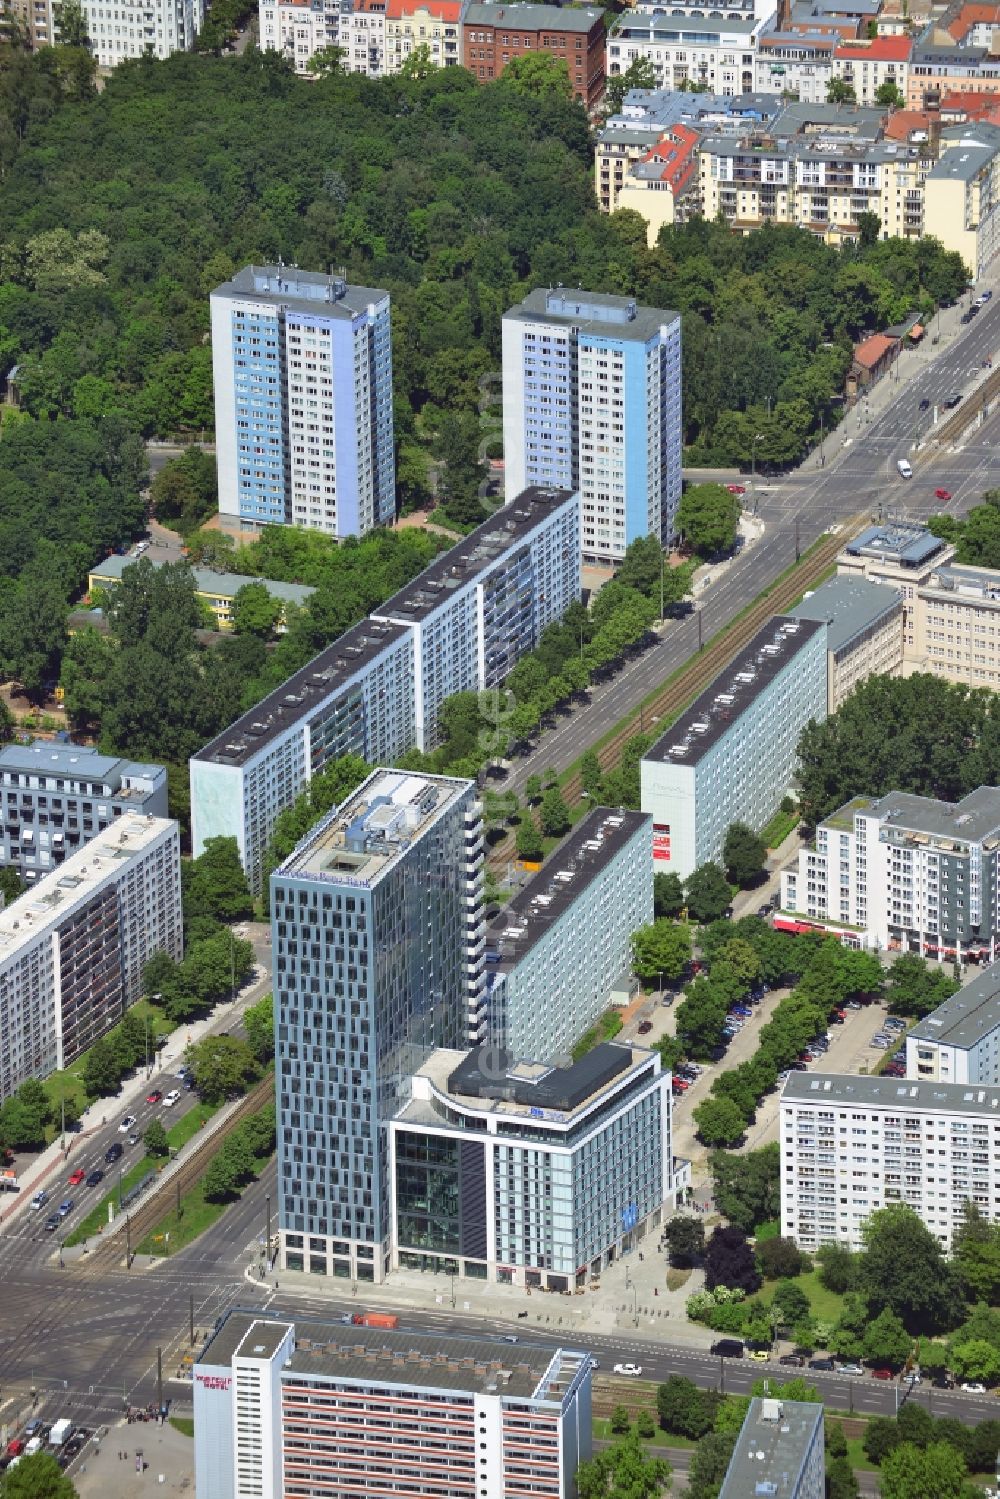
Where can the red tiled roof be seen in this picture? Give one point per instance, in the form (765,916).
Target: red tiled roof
(971,106)
(878,49)
(972,15)
(871,350)
(902,123)
(676,149)
(441,10)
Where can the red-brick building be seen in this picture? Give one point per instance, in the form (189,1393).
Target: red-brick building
(493,35)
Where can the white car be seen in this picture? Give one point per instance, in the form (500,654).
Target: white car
(126,1124)
(849,1369)
(630,1369)
(39,1200)
(171,1098)
(973,1389)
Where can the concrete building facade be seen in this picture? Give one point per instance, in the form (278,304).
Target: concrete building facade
(121,29)
(592,401)
(434,24)
(377,936)
(851,1145)
(302,1410)
(531,1175)
(903,872)
(731,757)
(495,35)
(962,194)
(217,590)
(864,624)
(57,797)
(901,555)
(719,52)
(558,947)
(960,1041)
(72,949)
(298,29)
(302,365)
(463,623)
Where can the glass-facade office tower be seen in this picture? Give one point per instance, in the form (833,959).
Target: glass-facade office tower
(377,933)
(592,401)
(303,401)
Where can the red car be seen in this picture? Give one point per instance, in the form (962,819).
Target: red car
(15,1447)
(78,1176)
(737,488)
(680,1085)
(883,1374)
(155,1097)
(942,494)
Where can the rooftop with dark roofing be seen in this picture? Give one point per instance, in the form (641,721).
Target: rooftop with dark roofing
(77,761)
(733,690)
(847,606)
(332,1349)
(596,313)
(967,1017)
(334,667)
(775,1440)
(474,554)
(206,580)
(597,839)
(308,292)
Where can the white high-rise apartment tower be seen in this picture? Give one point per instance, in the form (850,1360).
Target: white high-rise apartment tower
(303,401)
(592,401)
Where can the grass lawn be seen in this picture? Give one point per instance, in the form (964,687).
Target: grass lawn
(856,1456)
(603,1433)
(196,1214)
(825,1304)
(677,1278)
(778,829)
(183,1424)
(187,1126)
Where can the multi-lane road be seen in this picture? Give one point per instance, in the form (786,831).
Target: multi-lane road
(798,508)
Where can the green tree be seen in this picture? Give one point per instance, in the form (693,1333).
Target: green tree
(37,1477)
(888,96)
(529,840)
(708,893)
(915,989)
(709,1464)
(661,951)
(903,1270)
(668,896)
(747,1187)
(886,1340)
(533,789)
(839,92)
(976,1360)
(11,884)
(620,1421)
(975,1253)
(685,1410)
(101,1073)
(640,73)
(789,1300)
(685,1238)
(256,611)
(729,1261)
(185,492)
(258,1023)
(155,1139)
(701,1016)
(622,1469)
(779,1258)
(882,1437)
(743,855)
(215,885)
(223,1067)
(837,1267)
(720,1121)
(909,1473)
(538,75)
(325,61)
(840,1480)
(554,814)
(707,518)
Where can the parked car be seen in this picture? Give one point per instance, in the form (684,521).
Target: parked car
(760,1355)
(972,1388)
(727,1348)
(763,912)
(632,1370)
(821,1363)
(893,1023)
(851,1004)
(681,1083)
(895,1069)
(881,1042)
(793,1360)
(852,1369)
(645,1027)
(882,1374)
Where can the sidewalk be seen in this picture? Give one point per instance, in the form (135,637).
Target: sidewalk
(54,1158)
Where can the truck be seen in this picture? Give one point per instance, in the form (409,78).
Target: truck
(61,1432)
(375,1319)
(9,1181)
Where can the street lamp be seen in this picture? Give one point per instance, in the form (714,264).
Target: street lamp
(758,437)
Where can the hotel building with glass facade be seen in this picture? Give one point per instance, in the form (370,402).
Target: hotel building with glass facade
(525,1174)
(302,365)
(72,949)
(377,942)
(556,950)
(311,1409)
(592,401)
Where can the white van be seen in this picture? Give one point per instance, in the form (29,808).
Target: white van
(904,469)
